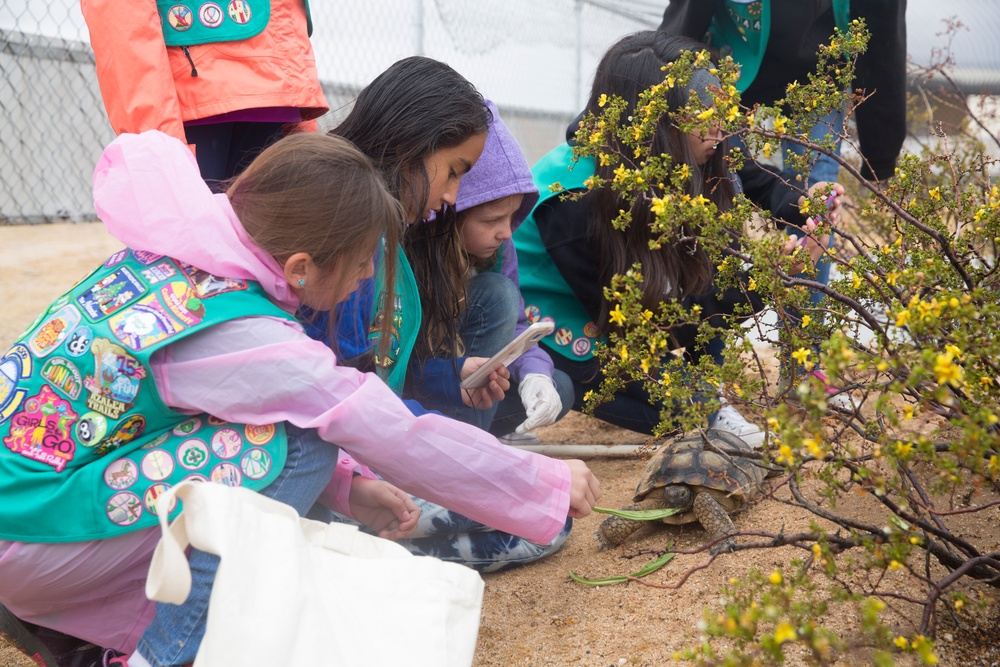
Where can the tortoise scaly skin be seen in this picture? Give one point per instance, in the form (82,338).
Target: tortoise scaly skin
(706,483)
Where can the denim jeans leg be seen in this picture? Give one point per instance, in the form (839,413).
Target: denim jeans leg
(825,168)
(175,634)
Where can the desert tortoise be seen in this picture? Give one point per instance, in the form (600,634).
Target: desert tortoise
(706,482)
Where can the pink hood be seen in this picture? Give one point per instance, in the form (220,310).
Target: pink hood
(149,193)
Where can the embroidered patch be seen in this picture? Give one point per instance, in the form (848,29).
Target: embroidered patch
(532,313)
(563,336)
(239,11)
(206,285)
(187,427)
(154,492)
(226,443)
(157,465)
(145,257)
(54,330)
(121,474)
(115,291)
(91,429)
(227,473)
(41,431)
(211,15)
(116,379)
(256,463)
(259,435)
(581,346)
(14,367)
(117,258)
(64,376)
(78,343)
(124,508)
(159,273)
(590,330)
(181,300)
(192,454)
(126,432)
(145,324)
(180,18)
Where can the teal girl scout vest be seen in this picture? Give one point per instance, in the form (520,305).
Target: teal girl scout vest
(547,297)
(741,30)
(191,23)
(88,445)
(406,318)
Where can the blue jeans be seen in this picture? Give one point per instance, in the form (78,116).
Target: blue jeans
(174,636)
(486,325)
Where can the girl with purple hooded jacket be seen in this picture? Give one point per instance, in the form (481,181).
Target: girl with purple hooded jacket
(466,271)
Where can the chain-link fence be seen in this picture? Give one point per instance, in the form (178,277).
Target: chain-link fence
(535,59)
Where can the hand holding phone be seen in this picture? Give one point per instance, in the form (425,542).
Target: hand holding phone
(508,354)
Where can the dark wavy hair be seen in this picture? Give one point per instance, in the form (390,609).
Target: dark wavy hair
(675,270)
(416,107)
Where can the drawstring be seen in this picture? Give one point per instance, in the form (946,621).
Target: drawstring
(194,72)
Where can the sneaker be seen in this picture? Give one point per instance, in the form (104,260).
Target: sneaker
(22,637)
(519,439)
(730,420)
(113,658)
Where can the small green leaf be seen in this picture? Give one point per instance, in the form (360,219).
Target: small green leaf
(641,515)
(647,569)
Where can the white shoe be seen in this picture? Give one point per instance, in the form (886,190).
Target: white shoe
(519,439)
(730,420)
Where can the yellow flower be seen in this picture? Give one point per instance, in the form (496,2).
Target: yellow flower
(699,201)
(605,159)
(767,149)
(855,280)
(934,194)
(801,355)
(752,285)
(597,137)
(901,642)
(620,173)
(733,113)
(903,449)
(623,353)
(895,565)
(948,372)
(779,124)
(775,578)
(617,316)
(902,318)
(784,633)
(602,100)
(806,321)
(706,114)
(644,365)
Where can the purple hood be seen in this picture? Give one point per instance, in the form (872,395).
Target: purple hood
(501,170)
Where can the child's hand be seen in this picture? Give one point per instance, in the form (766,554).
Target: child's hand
(491,392)
(383,508)
(584,490)
(809,244)
(834,194)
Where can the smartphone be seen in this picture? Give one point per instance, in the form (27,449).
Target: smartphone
(509,353)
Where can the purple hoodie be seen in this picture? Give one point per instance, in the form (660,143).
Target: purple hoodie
(501,171)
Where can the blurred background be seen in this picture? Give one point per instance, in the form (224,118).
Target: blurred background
(534,58)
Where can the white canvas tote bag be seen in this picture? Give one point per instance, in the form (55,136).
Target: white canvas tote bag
(290,591)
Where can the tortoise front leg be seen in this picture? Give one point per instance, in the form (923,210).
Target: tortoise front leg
(615,529)
(715,521)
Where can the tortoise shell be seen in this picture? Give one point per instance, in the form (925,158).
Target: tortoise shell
(687,460)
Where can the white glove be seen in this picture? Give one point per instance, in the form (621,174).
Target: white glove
(540,399)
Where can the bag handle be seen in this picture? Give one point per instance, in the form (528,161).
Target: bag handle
(169,577)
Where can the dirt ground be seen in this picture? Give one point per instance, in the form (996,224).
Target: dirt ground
(534,615)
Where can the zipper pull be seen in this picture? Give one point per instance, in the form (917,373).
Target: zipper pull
(187,53)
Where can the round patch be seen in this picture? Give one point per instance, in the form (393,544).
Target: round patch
(256,463)
(192,454)
(14,366)
(91,429)
(121,474)
(157,441)
(226,443)
(188,427)
(581,346)
(215,421)
(239,11)
(590,330)
(179,18)
(259,435)
(227,473)
(78,343)
(157,465)
(154,492)
(124,508)
(211,15)
(563,336)
(532,313)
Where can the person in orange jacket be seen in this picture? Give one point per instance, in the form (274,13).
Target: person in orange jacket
(227,77)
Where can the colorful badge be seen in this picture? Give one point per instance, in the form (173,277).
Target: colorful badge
(181,300)
(211,15)
(239,11)
(145,324)
(227,473)
(590,330)
(117,258)
(54,330)
(78,343)
(42,430)
(91,428)
(121,474)
(532,313)
(14,367)
(112,293)
(188,427)
(259,435)
(64,376)
(563,336)
(157,465)
(159,273)
(116,379)
(208,285)
(124,508)
(226,443)
(157,441)
(581,347)
(145,257)
(126,432)
(256,463)
(215,421)
(154,492)
(192,454)
(180,18)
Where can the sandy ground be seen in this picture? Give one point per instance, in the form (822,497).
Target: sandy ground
(534,615)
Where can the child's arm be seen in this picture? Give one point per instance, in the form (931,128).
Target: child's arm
(384,508)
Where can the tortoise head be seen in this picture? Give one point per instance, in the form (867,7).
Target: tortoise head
(679,496)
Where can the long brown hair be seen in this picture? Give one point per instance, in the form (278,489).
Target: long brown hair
(629,67)
(317,194)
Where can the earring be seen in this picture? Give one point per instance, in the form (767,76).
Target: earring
(302,282)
